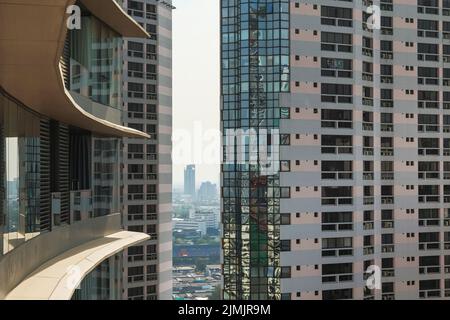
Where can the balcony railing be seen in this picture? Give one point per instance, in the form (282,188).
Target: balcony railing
(387,199)
(387,175)
(429,174)
(337,124)
(368,225)
(429,222)
(429,269)
(429,246)
(387,127)
(428,128)
(337,150)
(429,198)
(387,224)
(368,175)
(386,273)
(429,293)
(337,278)
(368,126)
(336,252)
(337,175)
(337,226)
(428,151)
(337,201)
(387,152)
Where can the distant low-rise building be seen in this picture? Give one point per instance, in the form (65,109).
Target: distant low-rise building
(208,215)
(190,225)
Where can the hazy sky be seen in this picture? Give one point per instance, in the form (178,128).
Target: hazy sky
(196,78)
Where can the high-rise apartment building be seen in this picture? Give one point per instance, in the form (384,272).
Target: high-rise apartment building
(357,117)
(61,231)
(189,180)
(148,178)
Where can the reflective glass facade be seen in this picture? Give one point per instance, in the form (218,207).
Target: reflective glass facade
(52,174)
(96,61)
(20,173)
(255,72)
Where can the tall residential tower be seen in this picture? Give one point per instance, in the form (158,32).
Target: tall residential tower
(356,117)
(148,169)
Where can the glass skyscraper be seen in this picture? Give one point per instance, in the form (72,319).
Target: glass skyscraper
(255,71)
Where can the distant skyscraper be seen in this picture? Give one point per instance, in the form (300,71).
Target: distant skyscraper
(360,122)
(207,191)
(189,180)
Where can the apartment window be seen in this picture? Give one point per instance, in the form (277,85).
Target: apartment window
(427,52)
(285,165)
(285,218)
(428,6)
(337,144)
(428,76)
(285,192)
(429,288)
(332,41)
(429,264)
(333,67)
(333,243)
(337,195)
(135,49)
(136,254)
(429,241)
(387,267)
(337,221)
(285,139)
(337,272)
(336,16)
(337,170)
(387,49)
(334,118)
(337,294)
(367,69)
(135,212)
(428,146)
(136,293)
(285,272)
(337,93)
(285,245)
(386,25)
(135,274)
(427,28)
(367,44)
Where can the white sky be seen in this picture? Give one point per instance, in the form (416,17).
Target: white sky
(196,77)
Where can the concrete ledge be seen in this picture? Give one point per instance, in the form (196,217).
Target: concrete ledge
(31,255)
(54,280)
(32,37)
(111,13)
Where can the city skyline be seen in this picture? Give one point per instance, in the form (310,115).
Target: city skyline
(198,64)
